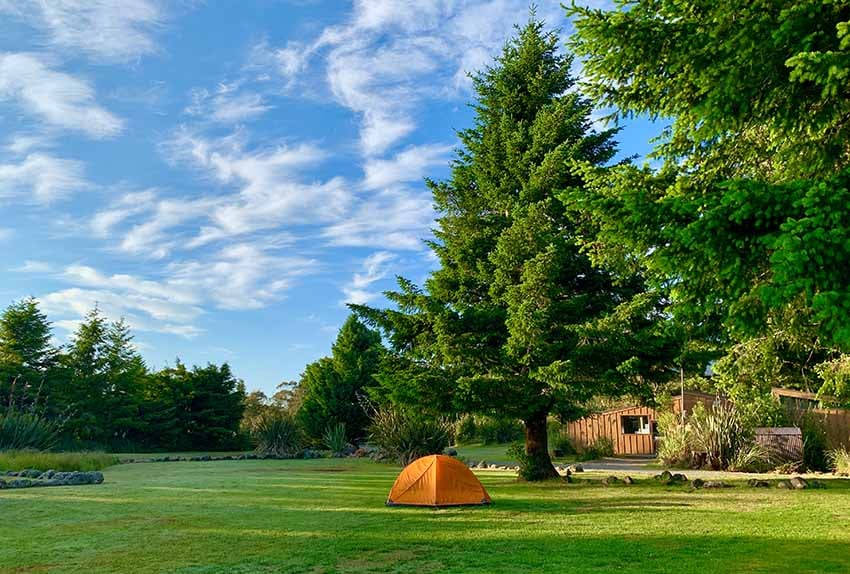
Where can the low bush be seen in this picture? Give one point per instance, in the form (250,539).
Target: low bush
(27,430)
(404,435)
(335,439)
(840,461)
(601,448)
(60,461)
(466,431)
(276,433)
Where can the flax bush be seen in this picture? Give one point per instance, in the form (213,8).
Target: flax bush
(276,433)
(27,430)
(335,439)
(405,435)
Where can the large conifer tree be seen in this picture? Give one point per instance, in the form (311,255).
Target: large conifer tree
(516,320)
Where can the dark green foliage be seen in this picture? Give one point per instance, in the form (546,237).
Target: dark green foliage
(333,388)
(277,433)
(197,409)
(517,319)
(747,221)
(27,430)
(600,448)
(405,435)
(487,429)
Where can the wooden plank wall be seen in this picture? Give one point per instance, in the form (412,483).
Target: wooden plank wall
(586,431)
(836,422)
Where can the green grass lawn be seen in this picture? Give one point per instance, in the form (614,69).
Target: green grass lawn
(329,516)
(496,453)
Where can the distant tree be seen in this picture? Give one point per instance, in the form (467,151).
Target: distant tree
(86,361)
(204,406)
(517,320)
(333,387)
(26,354)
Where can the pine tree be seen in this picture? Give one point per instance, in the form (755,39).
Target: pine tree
(27,358)
(517,321)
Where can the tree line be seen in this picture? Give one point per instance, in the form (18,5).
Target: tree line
(102,393)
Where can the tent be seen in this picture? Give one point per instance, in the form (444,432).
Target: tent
(437,480)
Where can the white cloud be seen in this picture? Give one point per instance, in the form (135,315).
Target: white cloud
(241,276)
(395,219)
(59,99)
(105,30)
(271,191)
(228,105)
(30,266)
(391,56)
(41,178)
(407,166)
(375,268)
(6,233)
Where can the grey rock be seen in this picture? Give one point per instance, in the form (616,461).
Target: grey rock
(577,468)
(798,483)
(19,483)
(2,483)
(715,484)
(481,464)
(784,484)
(628,480)
(756,483)
(451,451)
(608,481)
(697,483)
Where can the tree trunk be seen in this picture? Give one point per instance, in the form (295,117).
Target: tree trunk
(537,464)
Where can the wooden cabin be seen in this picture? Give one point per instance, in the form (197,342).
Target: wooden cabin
(632,430)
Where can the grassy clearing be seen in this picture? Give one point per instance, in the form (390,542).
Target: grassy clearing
(496,453)
(62,461)
(329,516)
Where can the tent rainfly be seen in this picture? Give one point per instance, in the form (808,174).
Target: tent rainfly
(437,480)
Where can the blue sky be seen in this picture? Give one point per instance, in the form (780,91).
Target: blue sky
(227,175)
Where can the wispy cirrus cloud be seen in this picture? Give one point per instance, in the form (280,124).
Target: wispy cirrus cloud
(58,99)
(41,178)
(375,268)
(238,277)
(391,56)
(104,30)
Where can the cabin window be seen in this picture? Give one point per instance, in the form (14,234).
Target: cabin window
(635,424)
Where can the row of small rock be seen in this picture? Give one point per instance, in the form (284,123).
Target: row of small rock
(30,477)
(795,483)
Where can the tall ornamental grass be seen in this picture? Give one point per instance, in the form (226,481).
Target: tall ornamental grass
(840,460)
(61,461)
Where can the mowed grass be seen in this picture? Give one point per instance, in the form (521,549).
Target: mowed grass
(329,516)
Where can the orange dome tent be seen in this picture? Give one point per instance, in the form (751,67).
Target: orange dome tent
(437,480)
